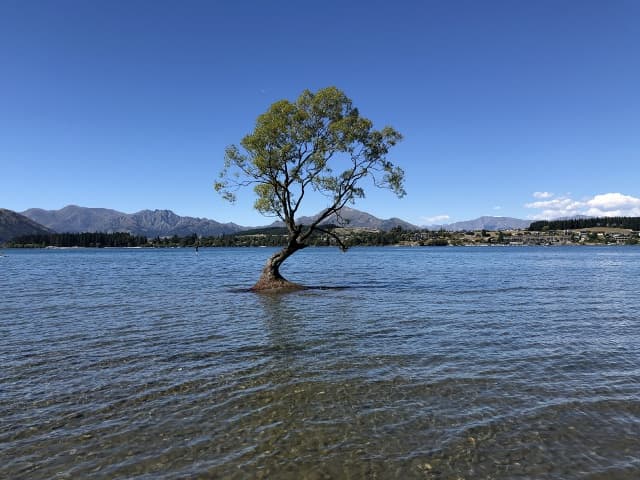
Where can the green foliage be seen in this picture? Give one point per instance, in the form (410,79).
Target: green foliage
(319,143)
(329,235)
(278,236)
(86,239)
(437,242)
(577,223)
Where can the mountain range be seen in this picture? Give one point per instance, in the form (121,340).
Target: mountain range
(152,223)
(486,223)
(350,217)
(13,224)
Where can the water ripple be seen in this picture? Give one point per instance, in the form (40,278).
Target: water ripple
(400,363)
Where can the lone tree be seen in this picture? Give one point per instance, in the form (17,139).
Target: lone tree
(320,144)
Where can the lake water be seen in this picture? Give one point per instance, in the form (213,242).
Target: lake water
(442,363)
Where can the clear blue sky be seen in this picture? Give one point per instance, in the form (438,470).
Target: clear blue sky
(130,104)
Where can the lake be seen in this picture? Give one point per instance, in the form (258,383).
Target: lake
(441,363)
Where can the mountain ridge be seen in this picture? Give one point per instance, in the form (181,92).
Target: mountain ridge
(150,223)
(13,225)
(487,222)
(163,223)
(354,218)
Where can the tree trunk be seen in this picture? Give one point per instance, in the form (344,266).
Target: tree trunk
(270,279)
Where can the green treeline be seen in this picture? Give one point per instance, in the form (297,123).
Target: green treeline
(277,237)
(542,233)
(87,239)
(577,223)
(267,237)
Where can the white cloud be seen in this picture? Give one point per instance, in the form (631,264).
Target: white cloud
(609,201)
(542,194)
(435,219)
(602,205)
(497,207)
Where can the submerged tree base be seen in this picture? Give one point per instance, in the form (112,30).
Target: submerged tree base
(271,281)
(271,285)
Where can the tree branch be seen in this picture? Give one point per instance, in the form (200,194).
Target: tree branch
(333,235)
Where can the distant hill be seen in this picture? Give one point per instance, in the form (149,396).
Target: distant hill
(489,223)
(156,222)
(163,223)
(150,223)
(13,225)
(356,218)
(80,219)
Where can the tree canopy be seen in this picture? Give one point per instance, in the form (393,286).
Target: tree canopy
(317,144)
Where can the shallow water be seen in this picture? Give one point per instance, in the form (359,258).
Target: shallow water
(484,363)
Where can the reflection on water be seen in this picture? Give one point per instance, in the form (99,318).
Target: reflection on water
(430,363)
